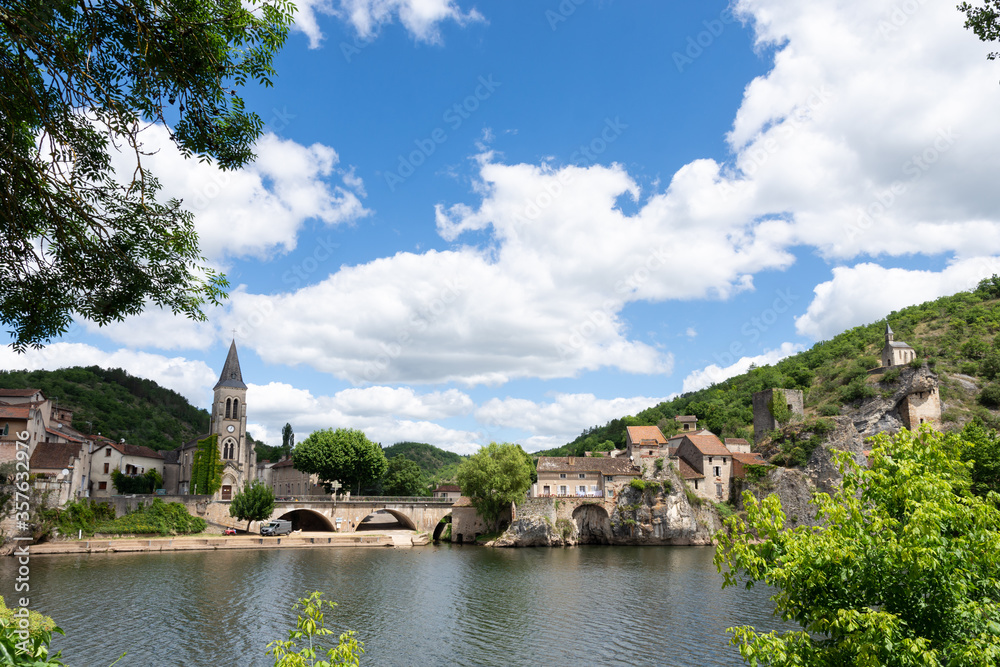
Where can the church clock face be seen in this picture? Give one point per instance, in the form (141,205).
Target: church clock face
(230,428)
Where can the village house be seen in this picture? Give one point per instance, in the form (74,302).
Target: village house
(705,464)
(108,456)
(644,445)
(287,482)
(597,476)
(22,411)
(449,491)
(686,423)
(62,470)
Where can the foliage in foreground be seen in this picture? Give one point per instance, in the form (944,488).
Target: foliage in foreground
(24,640)
(157,518)
(308,630)
(904,569)
(493,478)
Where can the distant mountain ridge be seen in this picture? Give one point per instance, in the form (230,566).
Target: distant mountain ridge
(955,335)
(116,404)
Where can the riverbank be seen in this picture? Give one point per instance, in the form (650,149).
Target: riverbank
(159,544)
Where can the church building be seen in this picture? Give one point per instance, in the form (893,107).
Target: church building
(229,424)
(896,352)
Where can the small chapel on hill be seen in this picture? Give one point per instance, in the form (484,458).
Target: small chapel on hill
(229,425)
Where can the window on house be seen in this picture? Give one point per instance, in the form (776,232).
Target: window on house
(695,485)
(717,471)
(607,479)
(545,490)
(562,475)
(581,490)
(718,490)
(102,485)
(709,459)
(583,475)
(106,467)
(107,452)
(6,429)
(562,490)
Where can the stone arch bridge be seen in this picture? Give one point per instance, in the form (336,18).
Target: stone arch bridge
(420,514)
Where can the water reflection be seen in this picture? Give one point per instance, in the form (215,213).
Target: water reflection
(429,606)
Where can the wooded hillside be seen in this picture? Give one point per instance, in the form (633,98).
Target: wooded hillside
(116,404)
(955,335)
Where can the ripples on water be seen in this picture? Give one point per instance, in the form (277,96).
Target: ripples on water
(446,605)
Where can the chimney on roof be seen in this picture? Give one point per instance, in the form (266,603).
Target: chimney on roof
(570,459)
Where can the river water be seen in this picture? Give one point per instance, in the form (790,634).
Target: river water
(440,605)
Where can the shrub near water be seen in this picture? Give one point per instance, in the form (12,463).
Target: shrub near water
(158,518)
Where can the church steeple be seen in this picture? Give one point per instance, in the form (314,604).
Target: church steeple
(231,375)
(888,333)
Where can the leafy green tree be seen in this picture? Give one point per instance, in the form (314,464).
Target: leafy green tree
(287,438)
(494,477)
(255,502)
(903,570)
(344,455)
(206,467)
(403,478)
(983,454)
(80,77)
(309,628)
(984,20)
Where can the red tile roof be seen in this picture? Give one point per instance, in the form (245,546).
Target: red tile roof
(736,441)
(448,488)
(686,471)
(132,450)
(749,459)
(20,393)
(54,455)
(63,434)
(601,464)
(14,411)
(639,433)
(708,444)
(462,502)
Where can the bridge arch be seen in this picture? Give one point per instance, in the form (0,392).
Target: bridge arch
(593,524)
(440,527)
(401,518)
(307,520)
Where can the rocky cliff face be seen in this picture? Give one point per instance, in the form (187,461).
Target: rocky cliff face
(652,517)
(879,414)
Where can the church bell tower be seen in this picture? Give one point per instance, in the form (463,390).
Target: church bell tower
(229,423)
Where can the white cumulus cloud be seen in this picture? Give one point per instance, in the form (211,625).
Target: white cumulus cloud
(714,373)
(867,292)
(421,18)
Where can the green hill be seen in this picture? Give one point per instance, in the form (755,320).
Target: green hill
(437,465)
(117,405)
(955,335)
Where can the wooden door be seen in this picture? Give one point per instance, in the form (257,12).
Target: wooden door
(227,492)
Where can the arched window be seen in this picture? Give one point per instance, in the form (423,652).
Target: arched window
(236,408)
(229,405)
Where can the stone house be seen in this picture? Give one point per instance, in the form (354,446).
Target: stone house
(737,445)
(108,456)
(587,476)
(743,459)
(686,423)
(287,482)
(22,411)
(644,445)
(62,469)
(450,491)
(708,465)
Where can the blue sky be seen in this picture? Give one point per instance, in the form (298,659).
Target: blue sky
(471,222)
